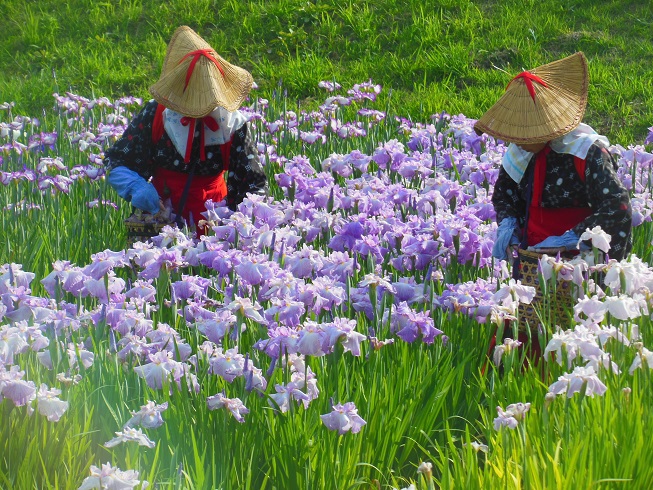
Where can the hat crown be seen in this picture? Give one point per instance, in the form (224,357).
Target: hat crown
(195,79)
(540,104)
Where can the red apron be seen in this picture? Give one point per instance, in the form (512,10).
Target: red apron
(170,184)
(546,222)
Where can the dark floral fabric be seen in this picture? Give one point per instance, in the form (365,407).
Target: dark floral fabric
(602,191)
(136,150)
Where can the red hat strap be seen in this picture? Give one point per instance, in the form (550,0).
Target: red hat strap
(197,54)
(529,78)
(190,122)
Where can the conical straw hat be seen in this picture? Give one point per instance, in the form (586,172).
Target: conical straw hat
(540,104)
(195,79)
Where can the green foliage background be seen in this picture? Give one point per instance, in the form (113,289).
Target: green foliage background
(444,55)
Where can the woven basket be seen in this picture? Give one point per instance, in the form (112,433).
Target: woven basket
(140,231)
(554,307)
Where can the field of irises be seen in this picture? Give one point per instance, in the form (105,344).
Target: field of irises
(331,335)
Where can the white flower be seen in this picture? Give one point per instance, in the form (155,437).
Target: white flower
(507,346)
(574,382)
(77,351)
(600,239)
(158,370)
(514,291)
(643,355)
(375,281)
(622,307)
(110,478)
(49,404)
(511,416)
(234,405)
(556,267)
(149,416)
(477,447)
(425,468)
(130,435)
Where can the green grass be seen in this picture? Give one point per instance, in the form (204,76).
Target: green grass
(435,56)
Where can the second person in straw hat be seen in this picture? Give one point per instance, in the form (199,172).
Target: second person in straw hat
(557,178)
(191,135)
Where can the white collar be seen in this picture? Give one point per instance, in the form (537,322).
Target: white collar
(576,143)
(228,123)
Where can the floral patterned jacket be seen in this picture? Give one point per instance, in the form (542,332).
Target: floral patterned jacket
(602,191)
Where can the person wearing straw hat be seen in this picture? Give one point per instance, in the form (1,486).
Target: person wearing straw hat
(184,140)
(557,178)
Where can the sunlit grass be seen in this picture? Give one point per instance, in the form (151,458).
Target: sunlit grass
(444,55)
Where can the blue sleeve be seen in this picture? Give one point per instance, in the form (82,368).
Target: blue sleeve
(134,188)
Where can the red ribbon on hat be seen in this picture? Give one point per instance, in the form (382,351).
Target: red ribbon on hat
(529,78)
(197,54)
(190,121)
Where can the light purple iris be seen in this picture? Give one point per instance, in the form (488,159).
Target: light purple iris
(149,416)
(234,405)
(285,311)
(409,324)
(12,386)
(344,418)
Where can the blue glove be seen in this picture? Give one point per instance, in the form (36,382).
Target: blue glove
(506,236)
(134,188)
(567,241)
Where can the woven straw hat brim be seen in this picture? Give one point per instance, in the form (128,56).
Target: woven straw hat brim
(208,87)
(557,109)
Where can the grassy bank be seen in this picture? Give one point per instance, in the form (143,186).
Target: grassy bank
(453,56)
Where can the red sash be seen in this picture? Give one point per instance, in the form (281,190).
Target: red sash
(546,222)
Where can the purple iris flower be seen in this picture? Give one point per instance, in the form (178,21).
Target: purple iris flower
(278,337)
(347,236)
(190,287)
(405,290)
(323,294)
(312,338)
(228,364)
(358,160)
(369,245)
(409,325)
(253,270)
(337,164)
(285,311)
(344,418)
(337,265)
(303,262)
(217,327)
(343,330)
(269,215)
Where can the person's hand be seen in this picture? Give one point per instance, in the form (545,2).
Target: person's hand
(145,197)
(134,188)
(567,241)
(506,240)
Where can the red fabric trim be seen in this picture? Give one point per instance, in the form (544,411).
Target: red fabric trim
(580,164)
(157,124)
(190,122)
(540,174)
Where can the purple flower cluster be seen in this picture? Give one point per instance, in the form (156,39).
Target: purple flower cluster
(360,242)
